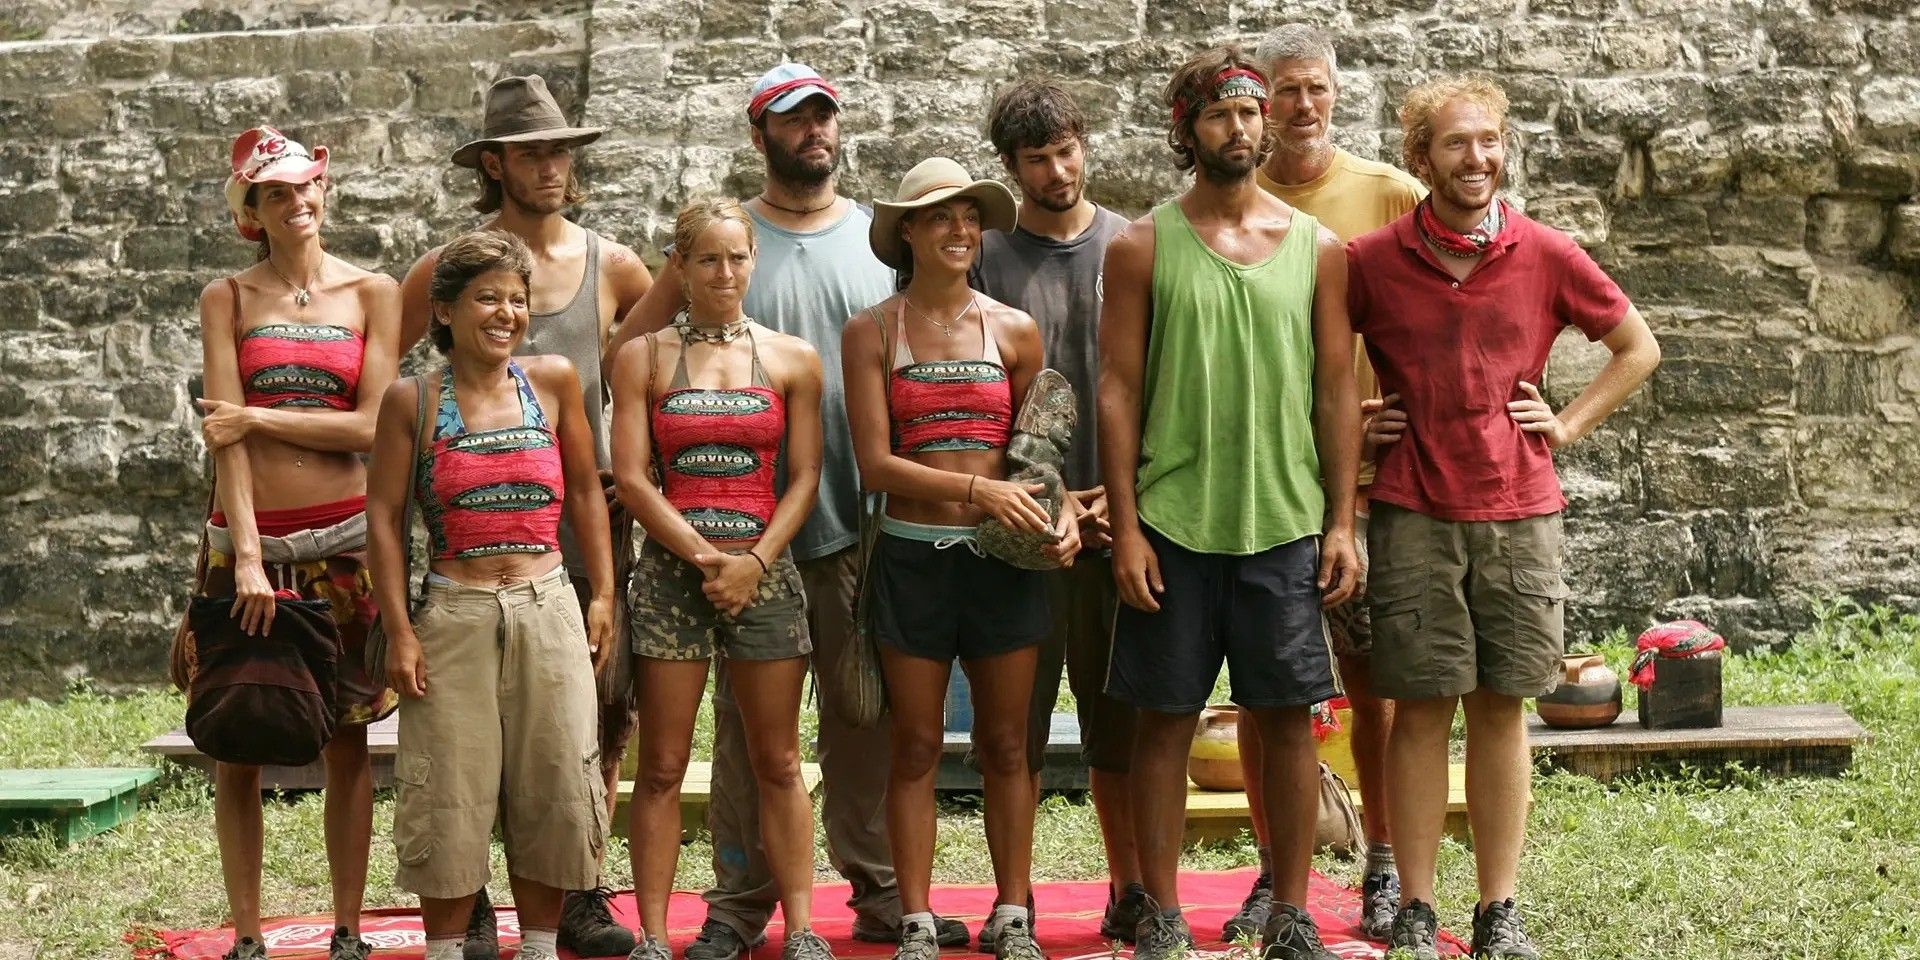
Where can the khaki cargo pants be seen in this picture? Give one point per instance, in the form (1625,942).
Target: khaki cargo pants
(507,728)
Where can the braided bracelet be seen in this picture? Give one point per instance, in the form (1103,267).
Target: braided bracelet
(756,559)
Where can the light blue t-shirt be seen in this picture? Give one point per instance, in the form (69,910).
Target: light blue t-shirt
(808,284)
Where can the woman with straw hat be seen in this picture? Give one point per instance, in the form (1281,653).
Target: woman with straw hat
(931,377)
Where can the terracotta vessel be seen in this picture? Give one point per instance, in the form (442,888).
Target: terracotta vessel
(1589,695)
(1213,763)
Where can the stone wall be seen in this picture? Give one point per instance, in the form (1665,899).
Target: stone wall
(1747,170)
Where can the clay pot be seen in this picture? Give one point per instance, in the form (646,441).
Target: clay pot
(1213,763)
(1589,696)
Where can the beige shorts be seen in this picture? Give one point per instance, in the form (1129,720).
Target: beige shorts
(1462,606)
(507,730)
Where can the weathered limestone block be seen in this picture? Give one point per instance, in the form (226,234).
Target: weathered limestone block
(1819,43)
(23,458)
(1600,474)
(19,305)
(151,397)
(1851,383)
(1563,48)
(50,356)
(1861,306)
(1793,159)
(1639,46)
(219,55)
(1737,279)
(1903,236)
(128,58)
(171,463)
(1846,226)
(1637,107)
(1580,215)
(1698,465)
(1706,374)
(1731,555)
(29,210)
(1895,44)
(83,457)
(1783,95)
(1623,569)
(51,64)
(1890,106)
(1857,467)
(1449,45)
(1866,558)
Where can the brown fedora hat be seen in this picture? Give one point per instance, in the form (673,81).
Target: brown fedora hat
(519,109)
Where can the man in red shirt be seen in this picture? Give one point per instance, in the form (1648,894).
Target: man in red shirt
(1460,301)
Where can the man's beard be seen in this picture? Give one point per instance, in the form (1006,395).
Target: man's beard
(796,170)
(1046,200)
(531,201)
(1311,147)
(1218,168)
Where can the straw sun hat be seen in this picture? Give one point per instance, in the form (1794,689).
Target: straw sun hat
(935,180)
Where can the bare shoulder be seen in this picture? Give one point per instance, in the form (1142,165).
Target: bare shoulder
(784,344)
(1327,240)
(618,257)
(551,370)
(1012,319)
(1133,245)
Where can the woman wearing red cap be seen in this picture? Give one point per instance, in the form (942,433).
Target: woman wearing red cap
(298,349)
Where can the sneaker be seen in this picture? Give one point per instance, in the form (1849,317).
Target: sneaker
(246,948)
(587,927)
(917,943)
(987,932)
(1158,936)
(1415,930)
(1123,914)
(806,945)
(1014,941)
(1499,932)
(949,933)
(1290,934)
(346,946)
(1255,910)
(1379,901)
(529,951)
(483,932)
(717,941)
(650,948)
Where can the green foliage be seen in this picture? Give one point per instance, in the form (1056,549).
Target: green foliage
(1694,867)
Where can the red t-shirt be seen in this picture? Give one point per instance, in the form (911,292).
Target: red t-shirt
(1456,352)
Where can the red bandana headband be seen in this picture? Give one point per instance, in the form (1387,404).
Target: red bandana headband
(1231,82)
(758,104)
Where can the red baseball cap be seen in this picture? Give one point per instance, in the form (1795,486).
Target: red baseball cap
(265,155)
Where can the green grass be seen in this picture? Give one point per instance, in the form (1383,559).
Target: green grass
(1690,867)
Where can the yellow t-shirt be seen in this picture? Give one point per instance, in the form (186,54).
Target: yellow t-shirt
(1354,196)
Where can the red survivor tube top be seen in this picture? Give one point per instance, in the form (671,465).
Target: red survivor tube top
(949,404)
(716,449)
(494,491)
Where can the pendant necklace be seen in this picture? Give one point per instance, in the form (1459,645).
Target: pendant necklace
(301,295)
(947,327)
(724,333)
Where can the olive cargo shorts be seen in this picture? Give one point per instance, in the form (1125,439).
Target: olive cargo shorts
(1461,606)
(507,728)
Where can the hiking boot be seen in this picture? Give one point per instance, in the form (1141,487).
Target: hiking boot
(346,946)
(587,927)
(1014,940)
(1379,901)
(483,932)
(717,941)
(987,932)
(806,945)
(1415,930)
(951,933)
(1123,914)
(1290,934)
(1255,910)
(246,948)
(1499,932)
(650,948)
(917,943)
(1158,936)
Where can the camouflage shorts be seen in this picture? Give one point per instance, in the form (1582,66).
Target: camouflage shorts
(669,618)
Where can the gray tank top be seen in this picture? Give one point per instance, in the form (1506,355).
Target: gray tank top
(574,332)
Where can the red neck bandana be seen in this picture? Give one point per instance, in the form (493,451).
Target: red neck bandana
(1470,244)
(758,104)
(1231,82)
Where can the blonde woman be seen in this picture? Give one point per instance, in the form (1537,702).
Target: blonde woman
(704,410)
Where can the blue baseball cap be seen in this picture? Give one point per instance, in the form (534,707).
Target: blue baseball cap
(784,87)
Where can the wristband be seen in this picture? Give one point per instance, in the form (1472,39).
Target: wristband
(756,559)
(970,481)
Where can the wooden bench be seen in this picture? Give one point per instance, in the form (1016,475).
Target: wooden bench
(383,739)
(696,794)
(1214,815)
(74,803)
(1801,740)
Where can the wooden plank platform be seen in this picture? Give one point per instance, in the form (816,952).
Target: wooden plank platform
(383,739)
(1222,814)
(1802,740)
(696,793)
(1064,769)
(76,803)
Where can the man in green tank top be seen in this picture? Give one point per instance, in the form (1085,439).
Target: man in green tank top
(1229,443)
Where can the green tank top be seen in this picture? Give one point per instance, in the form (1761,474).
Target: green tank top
(1227,458)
